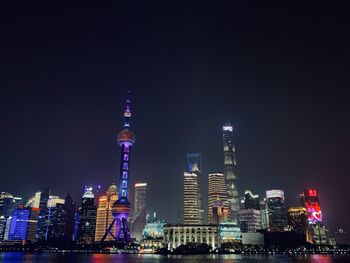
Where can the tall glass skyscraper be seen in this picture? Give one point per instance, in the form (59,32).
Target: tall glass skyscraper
(217,197)
(276,210)
(139,211)
(230,176)
(87,218)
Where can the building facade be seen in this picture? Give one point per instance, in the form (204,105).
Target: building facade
(276,210)
(249,220)
(87,218)
(230,175)
(139,211)
(191,199)
(104,216)
(217,198)
(176,235)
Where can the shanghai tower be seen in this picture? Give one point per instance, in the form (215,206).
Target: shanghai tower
(121,208)
(230,176)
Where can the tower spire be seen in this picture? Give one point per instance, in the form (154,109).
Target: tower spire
(127,112)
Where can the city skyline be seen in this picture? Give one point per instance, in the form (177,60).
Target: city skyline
(282,85)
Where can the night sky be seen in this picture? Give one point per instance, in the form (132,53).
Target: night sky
(279,74)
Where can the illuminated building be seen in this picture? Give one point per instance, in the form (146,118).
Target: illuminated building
(42,203)
(219,213)
(104,216)
(54,219)
(87,218)
(19,224)
(263,213)
(217,196)
(139,211)
(191,199)
(121,208)
(152,234)
(311,201)
(194,166)
(249,220)
(6,209)
(154,228)
(250,201)
(297,219)
(230,176)
(276,210)
(229,232)
(32,224)
(176,235)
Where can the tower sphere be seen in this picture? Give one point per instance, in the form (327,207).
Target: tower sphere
(121,207)
(126,136)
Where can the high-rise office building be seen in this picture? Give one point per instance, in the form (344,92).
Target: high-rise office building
(43,211)
(32,224)
(19,224)
(6,208)
(193,208)
(217,197)
(249,220)
(104,217)
(297,219)
(191,199)
(87,218)
(263,213)
(310,199)
(69,209)
(276,210)
(230,176)
(194,166)
(250,201)
(139,211)
(54,219)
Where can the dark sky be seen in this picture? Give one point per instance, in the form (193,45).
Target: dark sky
(280,74)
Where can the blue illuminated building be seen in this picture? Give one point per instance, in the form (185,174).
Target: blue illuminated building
(19,224)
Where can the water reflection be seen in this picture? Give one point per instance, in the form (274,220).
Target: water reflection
(108,258)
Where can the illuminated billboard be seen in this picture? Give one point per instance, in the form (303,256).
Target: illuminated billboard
(312,205)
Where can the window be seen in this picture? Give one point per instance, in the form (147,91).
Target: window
(126,157)
(125,166)
(125,175)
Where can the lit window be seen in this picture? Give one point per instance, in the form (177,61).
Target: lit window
(125,166)
(125,175)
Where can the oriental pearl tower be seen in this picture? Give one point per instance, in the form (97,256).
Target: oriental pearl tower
(121,208)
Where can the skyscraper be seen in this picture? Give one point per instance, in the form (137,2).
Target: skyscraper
(139,211)
(217,196)
(250,216)
(19,224)
(43,211)
(250,201)
(310,199)
(230,176)
(6,209)
(69,209)
(276,210)
(193,210)
(191,199)
(87,218)
(104,214)
(194,166)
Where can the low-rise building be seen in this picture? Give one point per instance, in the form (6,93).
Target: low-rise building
(176,235)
